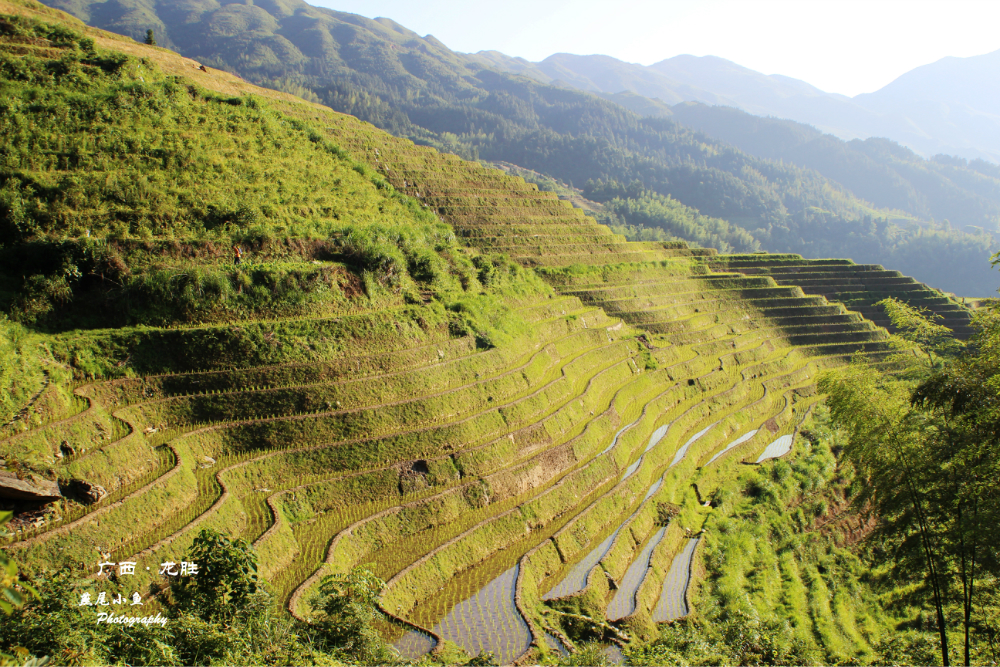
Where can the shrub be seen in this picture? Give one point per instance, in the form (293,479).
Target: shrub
(347,611)
(226,580)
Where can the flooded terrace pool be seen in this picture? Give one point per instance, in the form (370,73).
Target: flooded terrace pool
(486,620)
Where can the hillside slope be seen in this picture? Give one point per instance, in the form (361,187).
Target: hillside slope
(415,87)
(371,382)
(604,74)
(877,170)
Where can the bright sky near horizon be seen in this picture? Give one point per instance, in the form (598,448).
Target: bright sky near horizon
(840,46)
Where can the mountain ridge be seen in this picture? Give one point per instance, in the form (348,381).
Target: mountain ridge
(718,81)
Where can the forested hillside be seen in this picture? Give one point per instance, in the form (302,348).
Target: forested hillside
(964,192)
(416,87)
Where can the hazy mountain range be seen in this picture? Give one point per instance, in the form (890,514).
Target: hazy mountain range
(951,106)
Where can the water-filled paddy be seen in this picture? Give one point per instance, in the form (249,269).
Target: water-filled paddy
(673,598)
(576,580)
(614,440)
(658,435)
(485,621)
(614,654)
(777,449)
(654,440)
(414,644)
(738,441)
(556,645)
(653,489)
(631,469)
(623,604)
(684,448)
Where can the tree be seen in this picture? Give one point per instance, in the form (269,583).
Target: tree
(150,37)
(965,397)
(226,579)
(884,445)
(347,610)
(927,449)
(12,596)
(917,326)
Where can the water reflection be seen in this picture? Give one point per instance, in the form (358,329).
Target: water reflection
(673,598)
(777,449)
(486,621)
(738,441)
(624,603)
(683,450)
(576,580)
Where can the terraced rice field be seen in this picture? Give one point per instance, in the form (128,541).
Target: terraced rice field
(489,621)
(483,619)
(738,441)
(683,448)
(776,449)
(554,644)
(432,459)
(857,286)
(576,579)
(414,644)
(479,483)
(614,654)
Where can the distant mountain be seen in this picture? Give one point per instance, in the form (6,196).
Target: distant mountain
(775,95)
(954,101)
(888,175)
(876,170)
(604,74)
(947,107)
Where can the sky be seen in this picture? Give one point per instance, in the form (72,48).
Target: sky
(840,46)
